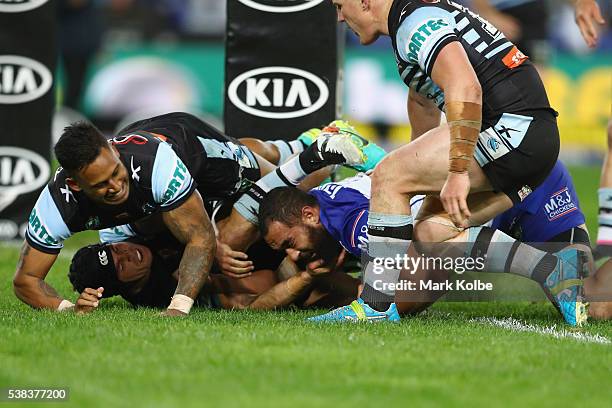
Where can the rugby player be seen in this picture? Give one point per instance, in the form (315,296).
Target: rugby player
(306,223)
(150,171)
(144,272)
(499,143)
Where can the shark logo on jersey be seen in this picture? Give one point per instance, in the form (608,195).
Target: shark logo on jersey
(493,144)
(420,35)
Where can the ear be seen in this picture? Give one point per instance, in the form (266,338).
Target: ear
(72,184)
(310,215)
(365,5)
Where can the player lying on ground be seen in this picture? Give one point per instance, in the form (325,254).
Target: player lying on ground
(240,230)
(120,233)
(145,274)
(157,168)
(305,224)
(501,141)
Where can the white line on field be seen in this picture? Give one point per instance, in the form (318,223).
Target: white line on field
(516,325)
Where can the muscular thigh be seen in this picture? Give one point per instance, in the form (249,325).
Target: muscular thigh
(421,166)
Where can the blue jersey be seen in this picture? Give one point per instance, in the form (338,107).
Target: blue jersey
(343,211)
(548,211)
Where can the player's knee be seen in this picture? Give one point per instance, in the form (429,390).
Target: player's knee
(610,134)
(388,176)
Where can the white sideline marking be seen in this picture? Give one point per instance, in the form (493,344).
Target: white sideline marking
(516,325)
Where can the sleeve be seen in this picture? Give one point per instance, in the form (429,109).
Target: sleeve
(423,34)
(116,234)
(355,234)
(171,181)
(47,229)
(344,214)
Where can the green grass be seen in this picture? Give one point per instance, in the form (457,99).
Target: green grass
(124,357)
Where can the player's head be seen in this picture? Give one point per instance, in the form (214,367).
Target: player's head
(289,221)
(92,164)
(120,268)
(362,16)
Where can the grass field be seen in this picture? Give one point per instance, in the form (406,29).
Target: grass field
(455,354)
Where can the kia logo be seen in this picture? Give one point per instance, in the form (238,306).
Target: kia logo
(278,92)
(21,171)
(18,6)
(22,79)
(261,6)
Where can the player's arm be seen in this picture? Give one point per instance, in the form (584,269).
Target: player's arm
(29,280)
(588,15)
(286,292)
(190,225)
(423,113)
(453,73)
(283,293)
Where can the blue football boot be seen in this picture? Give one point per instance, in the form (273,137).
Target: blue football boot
(564,286)
(358,311)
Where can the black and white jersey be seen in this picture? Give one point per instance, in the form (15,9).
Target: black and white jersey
(158,181)
(167,158)
(420,29)
(218,163)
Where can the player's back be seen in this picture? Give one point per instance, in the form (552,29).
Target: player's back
(216,161)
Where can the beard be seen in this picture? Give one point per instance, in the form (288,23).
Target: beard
(325,246)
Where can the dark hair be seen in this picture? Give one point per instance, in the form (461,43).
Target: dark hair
(93,267)
(79,145)
(283,204)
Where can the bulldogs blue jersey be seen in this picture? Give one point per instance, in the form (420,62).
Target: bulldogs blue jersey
(548,211)
(343,211)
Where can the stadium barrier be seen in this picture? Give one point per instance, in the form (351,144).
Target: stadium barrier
(281,67)
(28,56)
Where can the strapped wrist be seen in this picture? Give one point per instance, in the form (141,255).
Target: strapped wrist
(464,120)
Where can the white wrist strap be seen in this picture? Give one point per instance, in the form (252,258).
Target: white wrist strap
(64,305)
(182,303)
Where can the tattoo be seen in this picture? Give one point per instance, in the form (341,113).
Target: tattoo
(190,225)
(48,290)
(193,270)
(25,251)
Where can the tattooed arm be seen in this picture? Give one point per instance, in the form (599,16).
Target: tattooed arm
(190,224)
(29,280)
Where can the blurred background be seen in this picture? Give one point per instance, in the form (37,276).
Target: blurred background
(123,59)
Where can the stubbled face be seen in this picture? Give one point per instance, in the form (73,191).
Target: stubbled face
(133,264)
(356,14)
(304,242)
(105,181)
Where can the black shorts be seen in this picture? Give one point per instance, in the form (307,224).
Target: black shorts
(518,152)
